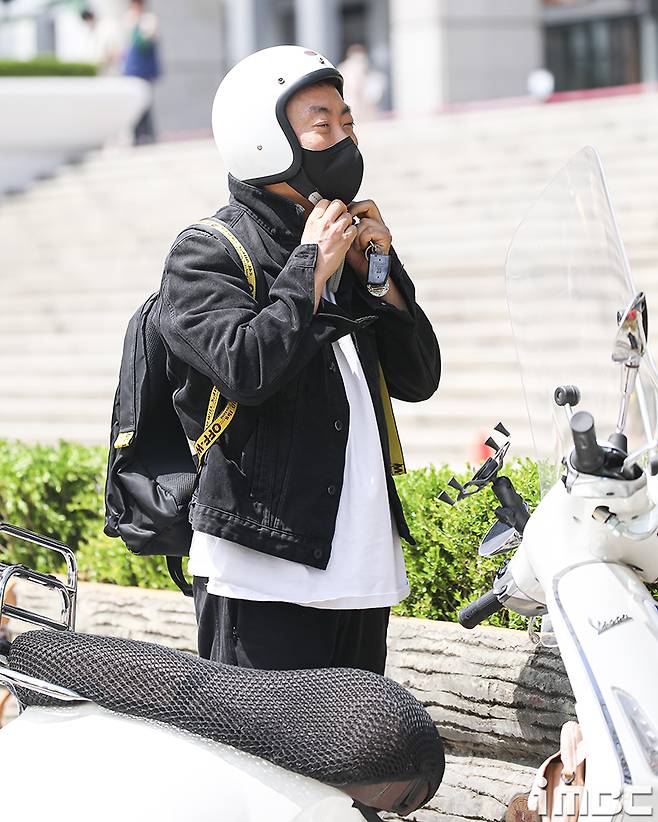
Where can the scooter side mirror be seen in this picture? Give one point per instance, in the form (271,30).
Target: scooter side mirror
(499,539)
(632,331)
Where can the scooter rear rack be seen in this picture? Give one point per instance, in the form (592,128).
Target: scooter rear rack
(68,592)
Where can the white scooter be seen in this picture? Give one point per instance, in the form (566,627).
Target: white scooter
(584,556)
(118,729)
(180,738)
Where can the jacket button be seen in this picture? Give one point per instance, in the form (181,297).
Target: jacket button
(317,554)
(331,490)
(338,425)
(332,365)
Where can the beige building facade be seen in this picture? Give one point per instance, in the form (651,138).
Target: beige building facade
(430,53)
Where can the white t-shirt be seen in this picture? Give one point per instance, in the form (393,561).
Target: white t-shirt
(366,568)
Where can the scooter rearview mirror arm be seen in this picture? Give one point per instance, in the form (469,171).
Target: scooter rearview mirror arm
(628,350)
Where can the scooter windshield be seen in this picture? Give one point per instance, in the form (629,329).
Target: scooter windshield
(567,279)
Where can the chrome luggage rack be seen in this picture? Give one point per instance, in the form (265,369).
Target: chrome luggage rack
(68,592)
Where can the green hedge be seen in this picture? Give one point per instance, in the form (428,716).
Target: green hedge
(58,490)
(45,67)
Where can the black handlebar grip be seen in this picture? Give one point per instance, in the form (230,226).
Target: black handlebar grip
(476,612)
(589,455)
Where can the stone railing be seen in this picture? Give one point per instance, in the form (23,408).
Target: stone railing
(498,701)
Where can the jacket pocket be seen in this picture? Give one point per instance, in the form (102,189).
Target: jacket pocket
(288,405)
(254,460)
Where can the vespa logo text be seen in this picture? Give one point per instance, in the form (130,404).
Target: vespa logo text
(603,625)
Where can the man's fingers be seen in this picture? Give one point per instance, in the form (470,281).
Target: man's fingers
(319,209)
(365,208)
(371,229)
(344,220)
(335,209)
(368,224)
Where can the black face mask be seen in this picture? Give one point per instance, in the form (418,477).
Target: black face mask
(337,171)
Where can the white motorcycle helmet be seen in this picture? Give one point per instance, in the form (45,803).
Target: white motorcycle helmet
(249,122)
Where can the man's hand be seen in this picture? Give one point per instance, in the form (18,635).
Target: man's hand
(372,227)
(330,226)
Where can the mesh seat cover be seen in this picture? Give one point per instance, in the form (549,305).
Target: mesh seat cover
(340,726)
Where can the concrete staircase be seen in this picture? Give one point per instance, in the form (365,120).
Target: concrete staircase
(82,250)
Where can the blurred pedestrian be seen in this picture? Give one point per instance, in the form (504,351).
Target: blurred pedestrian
(141,60)
(364,85)
(102,43)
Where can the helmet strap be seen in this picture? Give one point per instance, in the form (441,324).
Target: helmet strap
(302,185)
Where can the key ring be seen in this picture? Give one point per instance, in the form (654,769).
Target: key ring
(371,248)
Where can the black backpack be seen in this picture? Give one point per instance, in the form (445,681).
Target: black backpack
(152,472)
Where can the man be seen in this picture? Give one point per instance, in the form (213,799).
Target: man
(296,551)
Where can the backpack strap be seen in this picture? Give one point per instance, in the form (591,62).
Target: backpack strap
(245,259)
(214,427)
(175,568)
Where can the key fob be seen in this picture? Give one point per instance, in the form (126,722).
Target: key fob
(379,267)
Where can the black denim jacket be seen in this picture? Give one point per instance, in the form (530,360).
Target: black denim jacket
(272,482)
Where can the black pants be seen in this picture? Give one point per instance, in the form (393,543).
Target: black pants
(283,636)
(144,130)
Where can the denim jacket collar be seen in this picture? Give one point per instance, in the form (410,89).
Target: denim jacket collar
(278,215)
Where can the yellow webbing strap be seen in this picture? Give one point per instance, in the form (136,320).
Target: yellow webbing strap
(394,444)
(214,427)
(245,259)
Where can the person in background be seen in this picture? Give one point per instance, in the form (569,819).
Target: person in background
(102,43)
(364,85)
(141,60)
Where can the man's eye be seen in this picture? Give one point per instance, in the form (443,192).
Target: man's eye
(322,125)
(351,124)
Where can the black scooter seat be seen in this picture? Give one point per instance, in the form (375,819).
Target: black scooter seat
(352,729)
